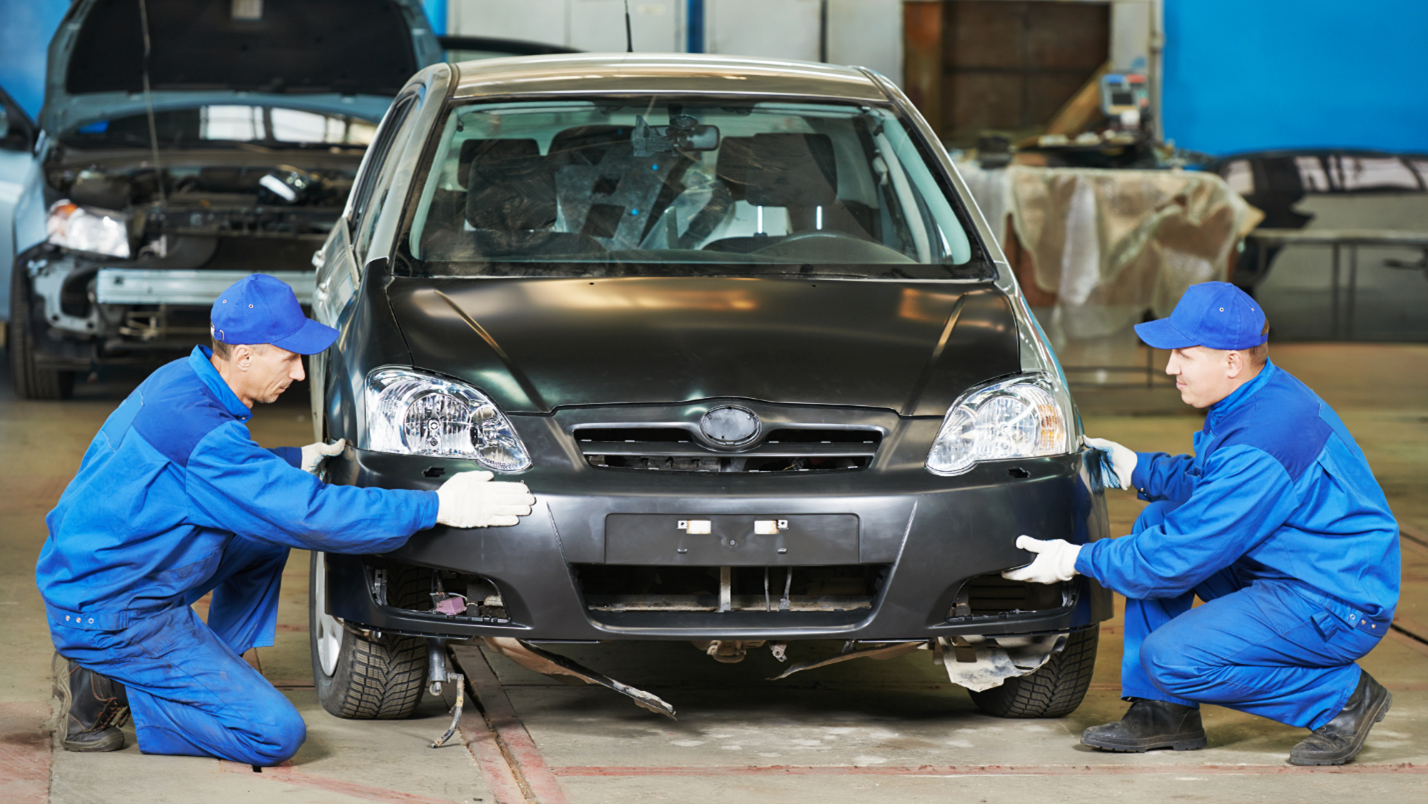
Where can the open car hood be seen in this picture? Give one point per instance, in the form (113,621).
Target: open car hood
(534,345)
(349,56)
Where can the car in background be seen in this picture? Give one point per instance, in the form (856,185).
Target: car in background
(175,155)
(1278,182)
(740,329)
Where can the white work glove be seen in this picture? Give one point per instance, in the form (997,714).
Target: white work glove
(314,454)
(472,500)
(1123,459)
(1055,561)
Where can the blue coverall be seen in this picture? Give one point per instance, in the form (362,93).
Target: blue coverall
(1277,522)
(173,500)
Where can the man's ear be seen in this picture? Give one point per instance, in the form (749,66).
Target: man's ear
(242,357)
(1234,364)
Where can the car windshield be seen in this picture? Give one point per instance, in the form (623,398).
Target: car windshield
(271,126)
(598,188)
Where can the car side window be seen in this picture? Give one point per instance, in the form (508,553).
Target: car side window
(376,160)
(402,126)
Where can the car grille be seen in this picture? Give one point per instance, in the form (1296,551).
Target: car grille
(994,597)
(786,449)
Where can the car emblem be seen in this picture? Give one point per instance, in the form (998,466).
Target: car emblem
(730,426)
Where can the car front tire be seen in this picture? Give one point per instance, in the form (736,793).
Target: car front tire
(30,381)
(366,678)
(1054,690)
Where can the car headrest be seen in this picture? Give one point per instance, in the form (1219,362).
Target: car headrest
(780,170)
(510,186)
(587,145)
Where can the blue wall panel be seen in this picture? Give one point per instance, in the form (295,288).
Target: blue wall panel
(26,27)
(1296,73)
(436,15)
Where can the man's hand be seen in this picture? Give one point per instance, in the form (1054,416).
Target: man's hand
(1123,460)
(1055,561)
(472,500)
(314,454)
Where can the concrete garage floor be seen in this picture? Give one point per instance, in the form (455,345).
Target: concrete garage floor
(862,731)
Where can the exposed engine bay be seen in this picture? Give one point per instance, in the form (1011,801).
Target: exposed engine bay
(130,267)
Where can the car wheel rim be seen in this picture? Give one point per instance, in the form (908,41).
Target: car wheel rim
(328,635)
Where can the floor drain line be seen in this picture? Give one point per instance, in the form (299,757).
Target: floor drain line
(498,716)
(511,762)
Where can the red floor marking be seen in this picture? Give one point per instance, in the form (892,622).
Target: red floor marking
(986,770)
(503,718)
(24,753)
(293,776)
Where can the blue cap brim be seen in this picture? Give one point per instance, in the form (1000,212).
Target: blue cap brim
(310,339)
(1161,334)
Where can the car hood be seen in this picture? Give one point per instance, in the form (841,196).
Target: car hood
(347,56)
(535,345)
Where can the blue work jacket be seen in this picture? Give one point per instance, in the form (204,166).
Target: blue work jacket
(169,480)
(1278,489)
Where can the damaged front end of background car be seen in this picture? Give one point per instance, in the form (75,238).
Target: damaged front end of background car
(128,269)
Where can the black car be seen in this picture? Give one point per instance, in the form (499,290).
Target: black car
(738,326)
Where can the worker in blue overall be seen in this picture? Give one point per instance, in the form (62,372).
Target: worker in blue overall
(1276,522)
(174,500)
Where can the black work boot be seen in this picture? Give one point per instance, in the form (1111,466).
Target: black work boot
(95,708)
(1147,725)
(1341,739)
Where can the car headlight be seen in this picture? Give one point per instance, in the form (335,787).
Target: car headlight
(1017,418)
(96,231)
(412,413)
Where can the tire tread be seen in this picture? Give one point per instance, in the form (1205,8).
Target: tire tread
(31,382)
(378,679)
(1054,690)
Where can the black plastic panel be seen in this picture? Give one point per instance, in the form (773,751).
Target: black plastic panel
(656,539)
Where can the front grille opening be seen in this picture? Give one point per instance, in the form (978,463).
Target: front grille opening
(992,596)
(786,449)
(715,463)
(634,435)
(810,435)
(622,588)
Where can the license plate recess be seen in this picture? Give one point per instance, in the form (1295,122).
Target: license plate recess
(732,541)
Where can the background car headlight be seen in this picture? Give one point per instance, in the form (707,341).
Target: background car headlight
(1018,418)
(96,231)
(418,414)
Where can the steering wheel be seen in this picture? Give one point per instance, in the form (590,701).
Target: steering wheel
(816,234)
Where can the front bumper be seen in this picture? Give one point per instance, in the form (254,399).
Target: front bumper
(86,310)
(931,533)
(197,288)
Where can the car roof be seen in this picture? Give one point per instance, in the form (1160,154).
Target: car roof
(672,73)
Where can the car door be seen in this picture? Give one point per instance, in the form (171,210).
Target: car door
(19,171)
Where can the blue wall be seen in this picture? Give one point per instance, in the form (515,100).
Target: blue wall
(436,15)
(26,27)
(1296,73)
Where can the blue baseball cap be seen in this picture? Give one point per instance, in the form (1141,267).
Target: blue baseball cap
(262,309)
(1216,315)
